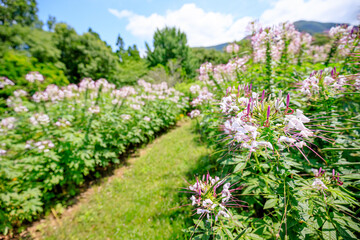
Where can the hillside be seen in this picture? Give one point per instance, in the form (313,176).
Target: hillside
(311,27)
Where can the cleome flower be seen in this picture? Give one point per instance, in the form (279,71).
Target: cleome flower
(94,109)
(213,197)
(255,121)
(41,146)
(7,124)
(39,118)
(232,48)
(194,113)
(328,81)
(323,181)
(34,76)
(4,81)
(62,123)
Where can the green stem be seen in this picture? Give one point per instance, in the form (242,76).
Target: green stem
(340,149)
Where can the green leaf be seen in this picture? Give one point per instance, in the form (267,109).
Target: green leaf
(270,203)
(328,231)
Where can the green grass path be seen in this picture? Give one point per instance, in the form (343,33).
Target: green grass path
(139,204)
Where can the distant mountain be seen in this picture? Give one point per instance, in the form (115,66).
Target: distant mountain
(311,27)
(219,47)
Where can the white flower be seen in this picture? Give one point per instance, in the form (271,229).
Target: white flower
(300,144)
(194,113)
(226,193)
(135,106)
(202,211)
(94,109)
(2,152)
(125,116)
(193,199)
(39,118)
(7,123)
(319,184)
(214,180)
(21,108)
(147,119)
(5,81)
(34,76)
(222,213)
(286,139)
(266,144)
(207,202)
(194,89)
(20,93)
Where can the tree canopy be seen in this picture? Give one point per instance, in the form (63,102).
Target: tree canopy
(170,43)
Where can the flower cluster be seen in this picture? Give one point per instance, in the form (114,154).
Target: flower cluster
(7,124)
(318,53)
(194,89)
(277,38)
(322,181)
(204,97)
(254,121)
(34,76)
(39,118)
(328,81)
(345,36)
(62,123)
(210,199)
(205,70)
(222,72)
(194,113)
(4,81)
(2,152)
(94,109)
(20,93)
(232,48)
(41,146)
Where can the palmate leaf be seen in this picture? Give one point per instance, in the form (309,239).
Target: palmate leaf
(270,203)
(344,232)
(329,231)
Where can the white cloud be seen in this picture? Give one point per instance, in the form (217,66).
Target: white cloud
(202,28)
(338,11)
(211,28)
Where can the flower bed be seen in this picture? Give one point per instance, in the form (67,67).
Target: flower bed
(51,140)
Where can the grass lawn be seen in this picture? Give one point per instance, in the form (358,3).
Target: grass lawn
(139,204)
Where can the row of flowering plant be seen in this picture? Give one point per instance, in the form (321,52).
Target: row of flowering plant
(294,152)
(52,140)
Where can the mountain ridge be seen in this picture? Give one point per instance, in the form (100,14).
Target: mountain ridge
(312,27)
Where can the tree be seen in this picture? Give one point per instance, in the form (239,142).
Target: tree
(170,43)
(23,12)
(120,44)
(84,55)
(51,22)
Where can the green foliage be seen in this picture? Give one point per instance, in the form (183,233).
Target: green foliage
(34,42)
(321,39)
(15,65)
(84,55)
(83,141)
(169,44)
(130,70)
(23,12)
(213,56)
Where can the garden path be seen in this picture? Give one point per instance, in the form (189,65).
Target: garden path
(140,201)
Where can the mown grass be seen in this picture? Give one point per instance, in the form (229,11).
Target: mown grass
(140,205)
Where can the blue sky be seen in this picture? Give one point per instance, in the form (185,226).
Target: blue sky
(206,22)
